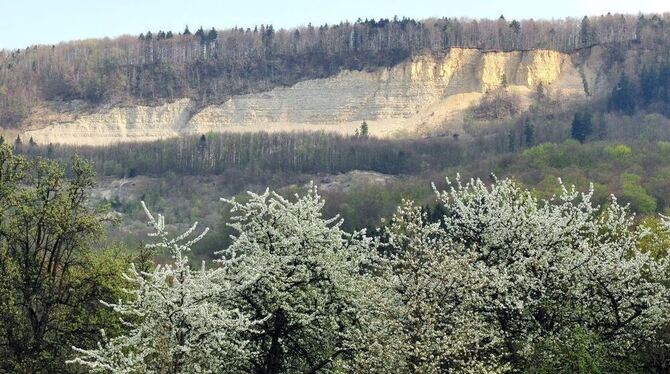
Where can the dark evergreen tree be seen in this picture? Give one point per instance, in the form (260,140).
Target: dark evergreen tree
(202,143)
(511,141)
(187,31)
(623,97)
(364,130)
(212,35)
(585,32)
(529,132)
(649,80)
(200,34)
(582,126)
(515,26)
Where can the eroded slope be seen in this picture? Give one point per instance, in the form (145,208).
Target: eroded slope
(424,94)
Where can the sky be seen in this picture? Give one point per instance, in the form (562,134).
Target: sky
(28,22)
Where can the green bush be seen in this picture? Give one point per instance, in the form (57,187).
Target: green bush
(636,195)
(577,351)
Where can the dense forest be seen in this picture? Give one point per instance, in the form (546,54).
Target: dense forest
(211,65)
(544,251)
(525,284)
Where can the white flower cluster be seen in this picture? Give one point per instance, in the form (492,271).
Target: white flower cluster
(178,318)
(474,291)
(503,270)
(304,273)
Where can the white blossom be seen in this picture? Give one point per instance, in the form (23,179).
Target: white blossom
(474,292)
(179,319)
(303,272)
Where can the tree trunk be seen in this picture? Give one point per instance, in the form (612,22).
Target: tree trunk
(274,358)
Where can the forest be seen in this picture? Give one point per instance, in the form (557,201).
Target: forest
(526,284)
(211,65)
(549,241)
(532,241)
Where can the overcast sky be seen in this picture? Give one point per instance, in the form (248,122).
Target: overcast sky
(27,22)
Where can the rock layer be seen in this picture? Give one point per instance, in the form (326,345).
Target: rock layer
(421,94)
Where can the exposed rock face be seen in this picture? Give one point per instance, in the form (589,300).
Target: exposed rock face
(417,95)
(138,123)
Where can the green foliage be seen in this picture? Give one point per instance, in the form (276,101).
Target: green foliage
(529,133)
(578,351)
(623,97)
(636,172)
(619,151)
(364,130)
(657,242)
(51,279)
(582,126)
(635,194)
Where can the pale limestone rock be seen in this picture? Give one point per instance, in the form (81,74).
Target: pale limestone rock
(420,95)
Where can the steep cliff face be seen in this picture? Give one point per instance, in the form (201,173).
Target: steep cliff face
(138,123)
(418,95)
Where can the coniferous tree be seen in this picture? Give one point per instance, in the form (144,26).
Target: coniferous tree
(18,144)
(212,35)
(582,126)
(529,132)
(585,32)
(364,130)
(623,97)
(200,34)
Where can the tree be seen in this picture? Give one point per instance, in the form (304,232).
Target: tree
(180,318)
(200,34)
(436,288)
(202,143)
(212,35)
(582,126)
(494,279)
(364,130)
(304,274)
(585,32)
(51,280)
(528,132)
(187,31)
(552,264)
(515,26)
(623,97)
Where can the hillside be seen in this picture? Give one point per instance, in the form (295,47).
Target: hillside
(426,93)
(403,77)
